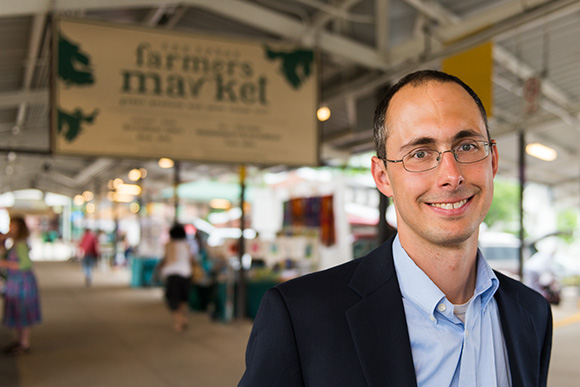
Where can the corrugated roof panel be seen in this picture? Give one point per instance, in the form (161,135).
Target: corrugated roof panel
(467,8)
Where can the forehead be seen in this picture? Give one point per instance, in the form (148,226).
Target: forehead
(432,109)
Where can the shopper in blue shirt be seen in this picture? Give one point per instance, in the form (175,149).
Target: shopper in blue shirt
(424,308)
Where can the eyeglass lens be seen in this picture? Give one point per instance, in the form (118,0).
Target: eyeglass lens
(426,159)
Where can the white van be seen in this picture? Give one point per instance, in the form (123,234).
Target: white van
(502,251)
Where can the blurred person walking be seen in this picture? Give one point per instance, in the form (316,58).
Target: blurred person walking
(177,268)
(21,299)
(89,249)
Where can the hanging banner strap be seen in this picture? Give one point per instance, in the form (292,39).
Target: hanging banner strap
(475,68)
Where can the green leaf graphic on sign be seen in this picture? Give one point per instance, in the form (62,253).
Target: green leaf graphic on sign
(70,125)
(74,69)
(74,66)
(295,65)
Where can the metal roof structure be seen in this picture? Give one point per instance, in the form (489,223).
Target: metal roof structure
(363,46)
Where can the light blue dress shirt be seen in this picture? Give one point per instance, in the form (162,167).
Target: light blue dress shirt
(446,351)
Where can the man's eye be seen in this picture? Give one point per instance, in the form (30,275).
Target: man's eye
(420,154)
(468,147)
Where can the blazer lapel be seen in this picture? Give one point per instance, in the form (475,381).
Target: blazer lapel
(519,337)
(378,324)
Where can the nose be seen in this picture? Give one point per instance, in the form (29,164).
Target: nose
(449,171)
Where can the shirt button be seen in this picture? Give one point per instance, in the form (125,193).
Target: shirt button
(432,318)
(466,333)
(441,307)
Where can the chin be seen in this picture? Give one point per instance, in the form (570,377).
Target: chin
(449,238)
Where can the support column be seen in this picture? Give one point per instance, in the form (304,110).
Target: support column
(522,176)
(241,301)
(176,182)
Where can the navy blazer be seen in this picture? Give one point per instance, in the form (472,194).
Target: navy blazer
(346,326)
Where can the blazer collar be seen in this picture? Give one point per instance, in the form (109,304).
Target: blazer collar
(377,322)
(519,334)
(379,327)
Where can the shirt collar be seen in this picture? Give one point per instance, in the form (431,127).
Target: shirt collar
(418,288)
(487,282)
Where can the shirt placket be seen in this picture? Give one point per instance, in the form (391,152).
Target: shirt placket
(470,359)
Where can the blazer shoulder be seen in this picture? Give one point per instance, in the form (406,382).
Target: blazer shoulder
(335,276)
(361,275)
(526,297)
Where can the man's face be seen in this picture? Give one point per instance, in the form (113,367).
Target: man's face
(445,205)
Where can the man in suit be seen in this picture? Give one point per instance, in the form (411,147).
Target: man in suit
(424,308)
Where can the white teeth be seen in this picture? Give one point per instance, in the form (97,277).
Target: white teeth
(450,206)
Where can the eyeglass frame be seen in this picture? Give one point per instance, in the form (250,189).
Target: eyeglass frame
(488,144)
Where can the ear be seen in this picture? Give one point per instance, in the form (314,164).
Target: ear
(382,180)
(494,158)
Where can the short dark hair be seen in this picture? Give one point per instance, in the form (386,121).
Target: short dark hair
(415,79)
(177,231)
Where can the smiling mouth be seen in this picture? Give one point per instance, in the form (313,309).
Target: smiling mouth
(450,206)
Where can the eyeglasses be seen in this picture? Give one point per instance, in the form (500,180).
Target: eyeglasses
(426,159)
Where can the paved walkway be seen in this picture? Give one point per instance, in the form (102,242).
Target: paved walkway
(565,362)
(114,335)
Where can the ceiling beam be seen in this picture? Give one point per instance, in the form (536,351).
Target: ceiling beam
(483,19)
(93,170)
(48,183)
(34,42)
(154,16)
(287,27)
(434,11)
(337,13)
(282,25)
(322,18)
(61,179)
(382,24)
(277,23)
(15,8)
(409,56)
(13,99)
(274,22)
(523,71)
(545,103)
(502,18)
(536,123)
(176,17)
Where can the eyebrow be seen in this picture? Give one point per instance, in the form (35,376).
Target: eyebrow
(419,141)
(465,133)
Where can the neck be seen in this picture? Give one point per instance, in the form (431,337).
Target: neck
(452,268)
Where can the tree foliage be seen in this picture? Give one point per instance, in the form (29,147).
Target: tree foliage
(504,211)
(567,222)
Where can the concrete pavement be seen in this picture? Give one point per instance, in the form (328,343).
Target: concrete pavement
(114,335)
